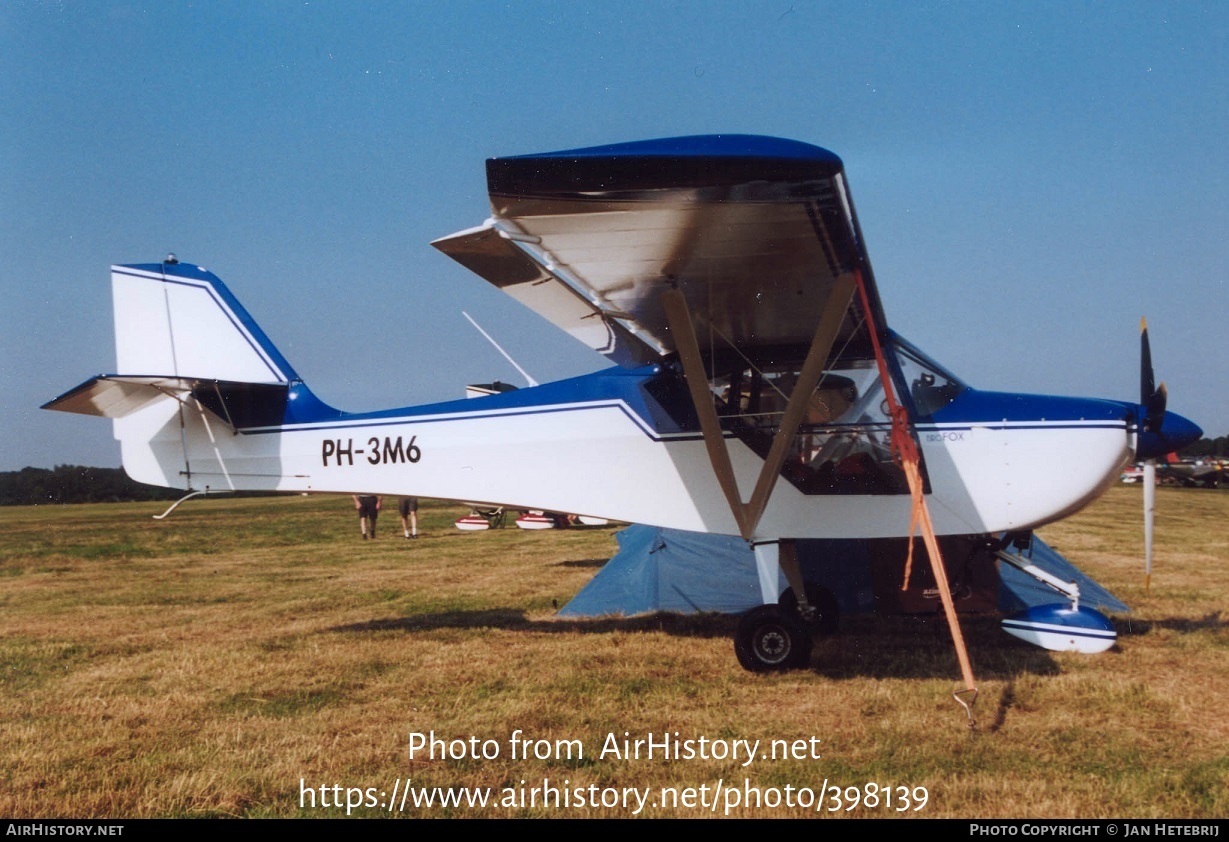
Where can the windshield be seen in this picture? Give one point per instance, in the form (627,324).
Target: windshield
(931,387)
(843,442)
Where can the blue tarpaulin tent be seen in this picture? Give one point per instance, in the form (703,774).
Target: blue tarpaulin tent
(660,569)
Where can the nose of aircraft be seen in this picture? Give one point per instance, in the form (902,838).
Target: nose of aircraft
(1176,432)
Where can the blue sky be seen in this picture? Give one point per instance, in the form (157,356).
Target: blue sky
(1031,177)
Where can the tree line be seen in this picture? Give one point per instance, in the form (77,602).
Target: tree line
(1218,448)
(76,484)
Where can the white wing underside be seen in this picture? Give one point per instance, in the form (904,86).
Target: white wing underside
(753,273)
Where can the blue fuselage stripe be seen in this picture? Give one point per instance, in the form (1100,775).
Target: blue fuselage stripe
(384,421)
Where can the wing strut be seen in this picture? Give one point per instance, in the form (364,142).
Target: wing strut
(905,449)
(747,514)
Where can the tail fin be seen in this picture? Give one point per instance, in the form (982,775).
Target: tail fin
(195,371)
(181,320)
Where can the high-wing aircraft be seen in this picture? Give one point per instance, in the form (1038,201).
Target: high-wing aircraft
(758,390)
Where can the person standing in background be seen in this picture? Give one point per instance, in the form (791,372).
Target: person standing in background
(368,506)
(408,508)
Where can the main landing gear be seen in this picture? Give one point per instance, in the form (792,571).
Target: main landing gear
(774,638)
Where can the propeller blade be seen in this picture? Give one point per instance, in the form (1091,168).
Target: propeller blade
(1152,398)
(1157,435)
(1155,416)
(1149,517)
(1147,383)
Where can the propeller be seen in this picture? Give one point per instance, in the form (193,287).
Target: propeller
(1160,433)
(1153,401)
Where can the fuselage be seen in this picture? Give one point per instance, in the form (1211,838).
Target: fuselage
(623,444)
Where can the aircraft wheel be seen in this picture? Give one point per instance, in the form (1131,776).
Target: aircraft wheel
(826,616)
(770,640)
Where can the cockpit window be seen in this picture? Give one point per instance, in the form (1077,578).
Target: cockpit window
(931,387)
(843,444)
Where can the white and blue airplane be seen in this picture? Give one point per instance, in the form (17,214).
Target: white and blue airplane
(753,392)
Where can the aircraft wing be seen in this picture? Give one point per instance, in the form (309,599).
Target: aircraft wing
(754,231)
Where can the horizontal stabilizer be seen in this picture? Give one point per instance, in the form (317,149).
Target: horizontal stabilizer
(240,405)
(110,396)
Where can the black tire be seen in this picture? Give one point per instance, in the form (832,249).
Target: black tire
(769,640)
(827,615)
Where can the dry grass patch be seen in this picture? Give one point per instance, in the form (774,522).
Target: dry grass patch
(205,665)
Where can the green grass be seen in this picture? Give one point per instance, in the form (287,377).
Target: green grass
(206,664)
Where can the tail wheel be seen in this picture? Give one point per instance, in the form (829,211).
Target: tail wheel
(824,615)
(771,640)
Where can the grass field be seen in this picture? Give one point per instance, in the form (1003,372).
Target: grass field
(228,660)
